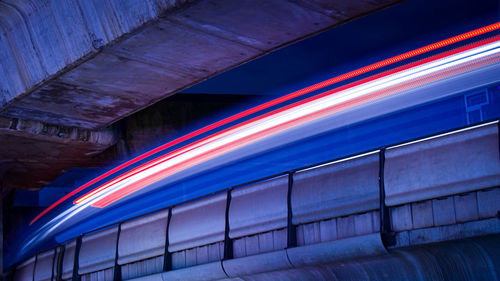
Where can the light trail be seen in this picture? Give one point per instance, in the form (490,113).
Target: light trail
(123,179)
(275,122)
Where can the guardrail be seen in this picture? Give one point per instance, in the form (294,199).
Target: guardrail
(435,188)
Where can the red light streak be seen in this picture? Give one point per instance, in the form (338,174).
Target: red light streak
(239,143)
(272,103)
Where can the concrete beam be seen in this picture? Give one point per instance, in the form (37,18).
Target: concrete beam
(88,64)
(35,153)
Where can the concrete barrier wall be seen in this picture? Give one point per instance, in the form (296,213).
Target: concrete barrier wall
(24,271)
(198,223)
(142,238)
(259,207)
(336,189)
(98,251)
(442,166)
(334,210)
(68,260)
(44,266)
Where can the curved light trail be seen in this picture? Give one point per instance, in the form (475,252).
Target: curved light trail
(271,124)
(281,119)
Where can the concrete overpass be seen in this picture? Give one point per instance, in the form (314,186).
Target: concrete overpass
(399,213)
(63,97)
(70,69)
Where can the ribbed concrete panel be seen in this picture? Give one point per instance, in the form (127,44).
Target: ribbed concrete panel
(57,31)
(260,243)
(453,217)
(68,260)
(10,78)
(198,223)
(44,264)
(444,211)
(72,28)
(338,228)
(24,68)
(488,202)
(257,264)
(108,20)
(338,189)
(257,208)
(442,166)
(401,218)
(457,231)
(101,275)
(209,271)
(98,251)
(55,265)
(142,268)
(475,259)
(422,214)
(471,259)
(154,277)
(24,271)
(348,248)
(43,28)
(198,255)
(142,238)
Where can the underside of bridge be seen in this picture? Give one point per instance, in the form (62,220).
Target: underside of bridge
(85,85)
(71,69)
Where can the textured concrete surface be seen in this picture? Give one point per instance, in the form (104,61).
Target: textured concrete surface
(71,67)
(197,229)
(89,63)
(34,153)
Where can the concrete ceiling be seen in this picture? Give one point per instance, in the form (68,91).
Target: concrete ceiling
(70,69)
(34,153)
(88,64)
(369,39)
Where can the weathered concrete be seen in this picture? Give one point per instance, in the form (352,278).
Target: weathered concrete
(469,259)
(89,63)
(34,153)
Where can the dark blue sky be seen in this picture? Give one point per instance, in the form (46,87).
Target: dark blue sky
(403,27)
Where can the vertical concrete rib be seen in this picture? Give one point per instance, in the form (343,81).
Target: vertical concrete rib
(167,256)
(291,231)
(385,220)
(36,48)
(34,267)
(228,243)
(117,273)
(76,264)
(52,272)
(59,266)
